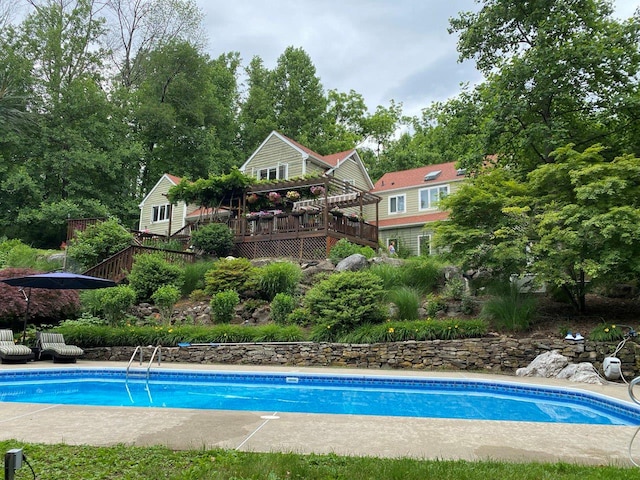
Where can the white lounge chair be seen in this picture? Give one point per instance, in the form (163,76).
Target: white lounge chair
(53,344)
(10,352)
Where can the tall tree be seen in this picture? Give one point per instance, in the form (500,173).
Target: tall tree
(557,72)
(298,97)
(136,27)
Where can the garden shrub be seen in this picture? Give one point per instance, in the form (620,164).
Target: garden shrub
(98,242)
(508,308)
(115,302)
(90,336)
(198,296)
(407,302)
(453,289)
(194,276)
(165,298)
(392,276)
(434,305)
(228,274)
(345,300)
(344,248)
(277,277)
(300,316)
(152,271)
(281,306)
(223,305)
(422,273)
(213,238)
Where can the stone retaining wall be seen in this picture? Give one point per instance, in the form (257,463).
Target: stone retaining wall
(497,354)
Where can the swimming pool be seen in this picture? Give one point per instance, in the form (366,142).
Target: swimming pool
(316,393)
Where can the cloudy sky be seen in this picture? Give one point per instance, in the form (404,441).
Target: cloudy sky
(382,49)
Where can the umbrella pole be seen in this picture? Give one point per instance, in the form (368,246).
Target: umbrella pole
(26,316)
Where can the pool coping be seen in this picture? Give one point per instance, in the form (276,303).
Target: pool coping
(320,433)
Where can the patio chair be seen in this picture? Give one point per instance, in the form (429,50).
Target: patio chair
(10,352)
(53,344)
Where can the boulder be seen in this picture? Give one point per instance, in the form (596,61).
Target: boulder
(352,263)
(581,372)
(548,364)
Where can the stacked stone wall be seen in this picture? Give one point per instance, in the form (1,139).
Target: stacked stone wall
(496,354)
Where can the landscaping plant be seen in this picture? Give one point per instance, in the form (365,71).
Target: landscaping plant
(213,239)
(223,305)
(228,274)
(151,271)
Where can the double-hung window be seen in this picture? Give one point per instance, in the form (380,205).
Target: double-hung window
(274,173)
(160,213)
(397,204)
(429,197)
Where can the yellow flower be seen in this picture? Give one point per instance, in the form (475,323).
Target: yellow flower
(170,330)
(390,330)
(456,326)
(606,329)
(328,326)
(613,326)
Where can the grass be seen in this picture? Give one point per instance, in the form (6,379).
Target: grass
(68,462)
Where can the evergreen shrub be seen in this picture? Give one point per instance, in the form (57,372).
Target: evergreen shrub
(346,300)
(281,307)
(231,274)
(165,298)
(152,271)
(223,305)
(214,239)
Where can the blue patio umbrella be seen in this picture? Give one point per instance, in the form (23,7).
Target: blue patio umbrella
(55,281)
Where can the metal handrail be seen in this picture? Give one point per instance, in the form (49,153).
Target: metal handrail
(138,349)
(153,355)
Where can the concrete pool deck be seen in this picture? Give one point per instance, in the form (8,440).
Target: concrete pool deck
(355,435)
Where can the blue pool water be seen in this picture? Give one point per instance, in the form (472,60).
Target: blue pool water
(310,393)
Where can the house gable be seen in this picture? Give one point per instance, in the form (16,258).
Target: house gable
(156,216)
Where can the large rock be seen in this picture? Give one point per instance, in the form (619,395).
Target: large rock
(581,372)
(352,263)
(548,365)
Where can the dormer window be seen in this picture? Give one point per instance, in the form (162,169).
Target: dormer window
(461,171)
(432,175)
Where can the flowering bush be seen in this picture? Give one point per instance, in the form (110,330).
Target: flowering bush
(274,197)
(354,217)
(293,195)
(317,190)
(253,198)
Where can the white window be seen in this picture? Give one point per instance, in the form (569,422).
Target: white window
(160,213)
(281,172)
(429,197)
(397,204)
(424,244)
(346,189)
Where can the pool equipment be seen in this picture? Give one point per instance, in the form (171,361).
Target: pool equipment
(12,462)
(611,365)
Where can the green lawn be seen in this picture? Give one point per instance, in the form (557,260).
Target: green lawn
(53,462)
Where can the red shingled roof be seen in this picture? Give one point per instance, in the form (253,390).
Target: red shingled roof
(335,158)
(415,177)
(415,219)
(173,178)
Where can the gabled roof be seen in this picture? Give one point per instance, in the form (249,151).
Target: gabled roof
(172,178)
(304,151)
(416,177)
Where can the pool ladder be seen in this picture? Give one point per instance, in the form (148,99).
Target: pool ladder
(139,351)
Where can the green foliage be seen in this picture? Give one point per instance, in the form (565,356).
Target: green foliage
(52,462)
(198,296)
(391,276)
(115,302)
(434,305)
(344,248)
(223,305)
(277,277)
(194,274)
(98,242)
(150,272)
(416,330)
(90,336)
(345,300)
(165,298)
(85,320)
(282,306)
(423,273)
(606,332)
(406,301)
(300,316)
(20,255)
(213,238)
(508,308)
(453,288)
(228,275)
